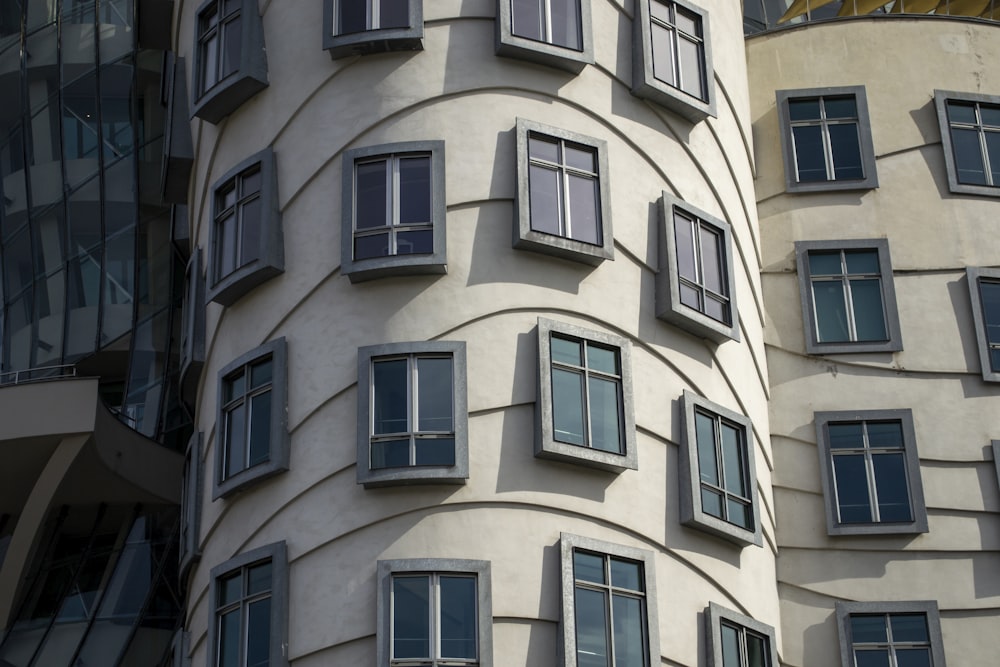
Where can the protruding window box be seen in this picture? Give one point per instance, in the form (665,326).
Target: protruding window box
(556,33)
(361,27)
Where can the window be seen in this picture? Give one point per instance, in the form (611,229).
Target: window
(717,482)
(412,414)
(894,634)
(246,245)
(251,421)
(359,27)
(563,205)
(549,32)
(671,59)
(848,297)
(694,286)
(735,640)
(393,211)
(585,397)
(871,472)
(192,341)
(190,528)
(970,133)
(984,290)
(230,61)
(434,611)
(249,598)
(826,139)
(609,604)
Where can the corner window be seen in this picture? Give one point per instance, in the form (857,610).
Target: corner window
(251,422)
(826,139)
(190,528)
(694,286)
(735,640)
(230,59)
(359,27)
(434,611)
(890,633)
(585,397)
(609,604)
(984,291)
(672,62)
(563,204)
(548,32)
(249,600)
(871,472)
(393,215)
(717,482)
(412,414)
(848,297)
(246,243)
(970,134)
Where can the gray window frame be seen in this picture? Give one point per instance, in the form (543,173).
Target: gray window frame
(890,310)
(373,40)
(561,246)
(568,543)
(546,446)
(277,553)
(192,342)
(178,147)
(715,614)
(941,99)
(929,608)
(385,569)
(691,513)
(865,145)
(270,261)
(371,268)
(668,297)
(544,53)
(190,529)
(454,474)
(278,454)
(644,81)
(974,275)
(911,456)
(227,94)
(996,458)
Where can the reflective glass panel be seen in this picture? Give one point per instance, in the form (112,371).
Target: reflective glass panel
(414,190)
(890,485)
(602,359)
(851,480)
(394,13)
(629,629)
(605,425)
(626,574)
(591,628)
(526,18)
(705,434)
(567,406)
(810,154)
(868,628)
(390,409)
(588,567)
(458,617)
(545,200)
(584,212)
(846,151)
(869,317)
(411,617)
(370,200)
(434,394)
(566,28)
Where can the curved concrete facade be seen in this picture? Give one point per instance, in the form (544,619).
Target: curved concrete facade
(514,506)
(933,235)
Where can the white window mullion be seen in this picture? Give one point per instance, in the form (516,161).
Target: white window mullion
(392,201)
(435,615)
(870,472)
(374,18)
(547,21)
(411,406)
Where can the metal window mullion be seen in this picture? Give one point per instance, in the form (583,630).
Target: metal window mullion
(983,148)
(547,21)
(870,473)
(827,144)
(374,15)
(392,198)
(435,616)
(563,201)
(412,415)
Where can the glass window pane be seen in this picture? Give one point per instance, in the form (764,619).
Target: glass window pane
(846,151)
(689,55)
(545,199)
(235,440)
(411,617)
(543,148)
(458,617)
(841,107)
(581,157)
(872,658)
(869,317)
(961,112)
(389,409)
(231,41)
(691,297)
(414,242)
(390,453)
(862,262)
(259,633)
(705,433)
(758,651)
(687,266)
(890,485)
(260,374)
(567,407)
(583,209)
(591,628)
(909,627)
(738,513)
(435,451)
(414,190)
(663,53)
(373,245)
(993,154)
(989,293)
(251,228)
(526,18)
(732,461)
(602,359)
(885,434)
(434,394)
(626,574)
(711,503)
(687,22)
(711,257)
(394,14)
(845,435)
(913,657)
(990,115)
(868,628)
(260,429)
(566,29)
(565,351)
(831,313)
(629,631)
(259,578)
(588,567)
(968,156)
(852,489)
(804,109)
(825,263)
(230,589)
(229,639)
(730,647)
(810,156)
(370,195)
(236,385)
(352,16)
(605,408)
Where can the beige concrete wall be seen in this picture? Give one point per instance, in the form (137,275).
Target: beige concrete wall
(514,506)
(933,236)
